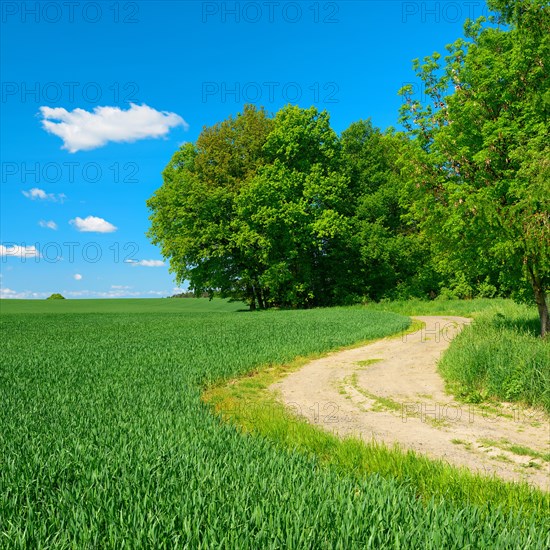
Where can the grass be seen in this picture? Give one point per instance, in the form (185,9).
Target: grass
(121,305)
(464,308)
(499,357)
(380,403)
(105,442)
(520,450)
(367,362)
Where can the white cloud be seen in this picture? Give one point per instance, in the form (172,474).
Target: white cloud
(93,224)
(116,293)
(8,293)
(120,287)
(47,224)
(145,263)
(77,277)
(82,130)
(19,251)
(37,193)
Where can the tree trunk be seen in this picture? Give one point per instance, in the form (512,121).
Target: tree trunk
(542,304)
(261,299)
(252,296)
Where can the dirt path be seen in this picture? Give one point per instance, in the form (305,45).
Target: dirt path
(390,391)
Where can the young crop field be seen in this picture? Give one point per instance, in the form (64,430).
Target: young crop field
(105,442)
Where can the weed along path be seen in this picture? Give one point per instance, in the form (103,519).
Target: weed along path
(390,391)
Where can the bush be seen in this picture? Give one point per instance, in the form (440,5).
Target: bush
(486,289)
(56,296)
(446,294)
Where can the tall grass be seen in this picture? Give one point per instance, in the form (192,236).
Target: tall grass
(500,356)
(464,308)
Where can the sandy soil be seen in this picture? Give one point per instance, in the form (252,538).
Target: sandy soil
(390,391)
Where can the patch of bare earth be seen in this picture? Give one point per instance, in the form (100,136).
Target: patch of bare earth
(390,391)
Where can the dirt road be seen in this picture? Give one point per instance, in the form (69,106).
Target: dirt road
(390,391)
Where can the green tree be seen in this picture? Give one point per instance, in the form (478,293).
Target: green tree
(55,296)
(257,210)
(295,213)
(479,165)
(193,214)
(393,259)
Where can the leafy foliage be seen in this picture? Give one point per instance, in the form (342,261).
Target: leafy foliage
(480,167)
(194,212)
(391,253)
(302,218)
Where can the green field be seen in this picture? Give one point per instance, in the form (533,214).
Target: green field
(122,305)
(105,442)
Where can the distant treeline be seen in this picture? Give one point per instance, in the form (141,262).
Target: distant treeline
(190,294)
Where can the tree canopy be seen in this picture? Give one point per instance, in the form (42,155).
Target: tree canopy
(480,161)
(280,211)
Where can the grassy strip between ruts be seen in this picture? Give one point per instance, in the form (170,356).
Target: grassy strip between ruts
(247,403)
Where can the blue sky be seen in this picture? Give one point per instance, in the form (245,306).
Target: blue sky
(97,96)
